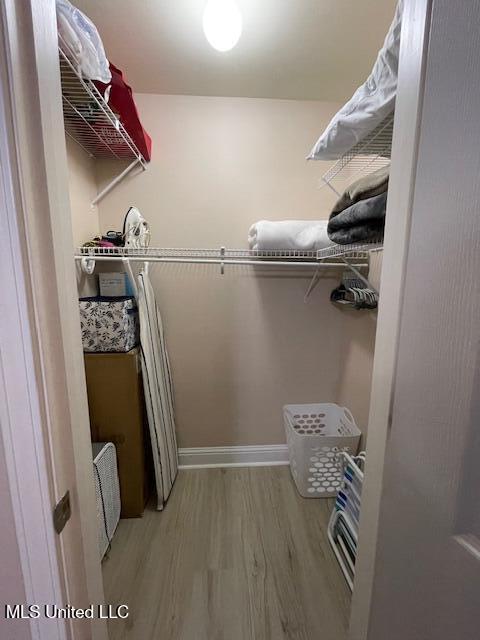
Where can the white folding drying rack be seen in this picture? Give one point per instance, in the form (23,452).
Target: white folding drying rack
(354,257)
(344,522)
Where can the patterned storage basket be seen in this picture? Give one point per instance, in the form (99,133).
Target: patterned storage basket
(109,324)
(315,435)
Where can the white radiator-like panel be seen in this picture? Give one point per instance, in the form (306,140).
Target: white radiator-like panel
(107,490)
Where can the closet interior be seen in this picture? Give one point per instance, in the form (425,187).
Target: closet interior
(228,282)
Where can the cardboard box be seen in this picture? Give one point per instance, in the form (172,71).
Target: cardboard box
(117,414)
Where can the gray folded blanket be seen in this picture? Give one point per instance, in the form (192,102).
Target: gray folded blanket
(363,221)
(373,184)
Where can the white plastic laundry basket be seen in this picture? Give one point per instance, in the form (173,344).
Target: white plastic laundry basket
(315,435)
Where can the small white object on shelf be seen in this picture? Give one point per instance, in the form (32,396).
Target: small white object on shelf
(114,285)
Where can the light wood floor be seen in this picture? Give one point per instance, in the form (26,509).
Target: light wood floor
(237,554)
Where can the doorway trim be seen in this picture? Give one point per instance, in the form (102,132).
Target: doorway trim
(44,267)
(406,135)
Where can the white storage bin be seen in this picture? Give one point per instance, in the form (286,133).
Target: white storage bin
(315,435)
(107,489)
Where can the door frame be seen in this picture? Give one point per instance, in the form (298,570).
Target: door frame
(406,135)
(41,220)
(28,493)
(54,427)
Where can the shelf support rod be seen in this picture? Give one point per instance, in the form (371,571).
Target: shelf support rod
(359,275)
(313,283)
(331,187)
(131,277)
(116,180)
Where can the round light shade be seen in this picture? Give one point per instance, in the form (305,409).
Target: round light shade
(222,24)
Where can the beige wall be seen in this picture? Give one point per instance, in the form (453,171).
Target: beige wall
(83,189)
(356,375)
(356,367)
(242,344)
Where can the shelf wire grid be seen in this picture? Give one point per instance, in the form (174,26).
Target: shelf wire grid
(88,119)
(368,155)
(336,253)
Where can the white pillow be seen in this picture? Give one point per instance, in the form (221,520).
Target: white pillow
(83,41)
(370,103)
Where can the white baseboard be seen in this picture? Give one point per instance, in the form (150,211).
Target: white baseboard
(265,455)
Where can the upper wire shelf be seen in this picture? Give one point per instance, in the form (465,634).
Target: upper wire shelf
(88,118)
(359,252)
(368,155)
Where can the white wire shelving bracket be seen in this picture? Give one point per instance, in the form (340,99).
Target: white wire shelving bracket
(91,123)
(368,155)
(355,257)
(348,254)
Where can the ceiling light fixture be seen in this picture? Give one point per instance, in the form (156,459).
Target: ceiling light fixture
(222,24)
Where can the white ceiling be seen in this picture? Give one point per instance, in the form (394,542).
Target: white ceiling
(295,49)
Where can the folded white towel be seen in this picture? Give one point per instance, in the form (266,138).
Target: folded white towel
(301,235)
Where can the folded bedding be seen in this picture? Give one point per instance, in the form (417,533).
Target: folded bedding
(365,187)
(289,235)
(363,221)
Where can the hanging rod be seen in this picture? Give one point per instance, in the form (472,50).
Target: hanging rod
(359,252)
(230,261)
(352,257)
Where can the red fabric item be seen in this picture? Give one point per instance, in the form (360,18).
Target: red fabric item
(121,102)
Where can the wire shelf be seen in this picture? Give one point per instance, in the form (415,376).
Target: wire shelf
(348,250)
(88,118)
(368,155)
(222,253)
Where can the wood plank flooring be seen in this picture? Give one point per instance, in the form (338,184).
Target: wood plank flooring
(237,554)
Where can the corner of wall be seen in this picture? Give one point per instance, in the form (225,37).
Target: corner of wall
(85,219)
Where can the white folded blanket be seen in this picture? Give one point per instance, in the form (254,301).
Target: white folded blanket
(301,235)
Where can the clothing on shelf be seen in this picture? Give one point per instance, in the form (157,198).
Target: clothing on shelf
(289,235)
(373,184)
(157,384)
(119,97)
(363,221)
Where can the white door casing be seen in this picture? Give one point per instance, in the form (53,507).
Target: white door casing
(31,88)
(408,108)
(426,581)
